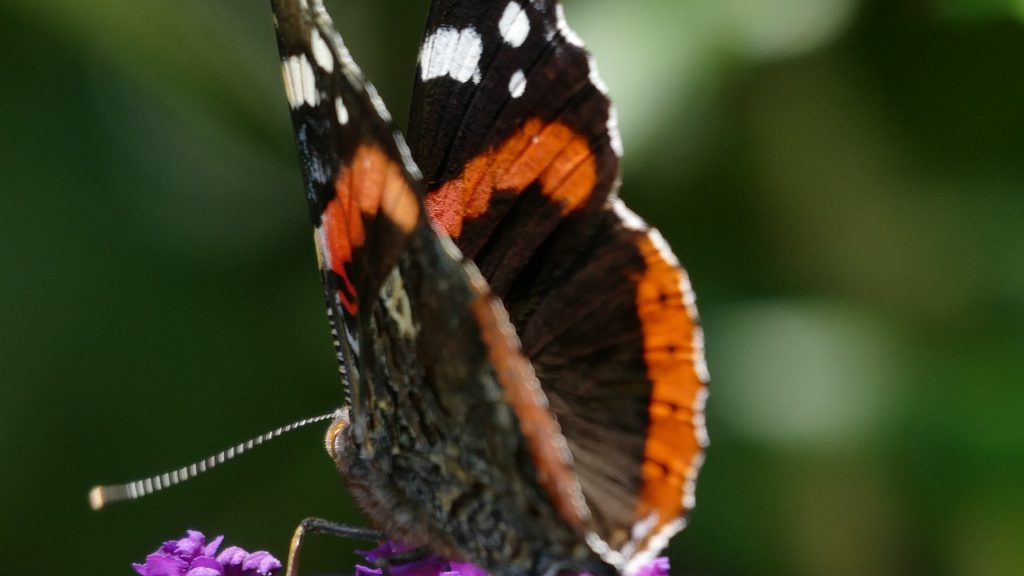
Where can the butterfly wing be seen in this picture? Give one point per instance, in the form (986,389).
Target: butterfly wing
(447,421)
(519,147)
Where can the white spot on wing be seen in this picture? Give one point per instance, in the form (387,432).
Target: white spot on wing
(321,51)
(514,25)
(289,86)
(299,81)
(309,92)
(517,84)
(451,52)
(467,56)
(340,111)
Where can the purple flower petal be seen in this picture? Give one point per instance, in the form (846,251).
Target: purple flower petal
(437,566)
(160,564)
(232,555)
(364,571)
(205,566)
(467,569)
(211,548)
(657,567)
(232,558)
(260,563)
(191,556)
(430,566)
(385,550)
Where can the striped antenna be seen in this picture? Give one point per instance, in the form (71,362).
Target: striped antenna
(100,496)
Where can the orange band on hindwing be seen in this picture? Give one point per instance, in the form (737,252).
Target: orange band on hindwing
(673,352)
(550,153)
(371,185)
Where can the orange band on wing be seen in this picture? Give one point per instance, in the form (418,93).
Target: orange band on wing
(552,153)
(672,350)
(369,184)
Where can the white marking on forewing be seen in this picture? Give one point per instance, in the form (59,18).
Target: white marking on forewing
(289,87)
(321,51)
(340,111)
(309,91)
(451,52)
(514,25)
(467,56)
(299,81)
(517,84)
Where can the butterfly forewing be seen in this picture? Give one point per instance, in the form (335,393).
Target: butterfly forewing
(519,147)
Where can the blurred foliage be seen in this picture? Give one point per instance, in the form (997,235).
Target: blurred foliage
(842,178)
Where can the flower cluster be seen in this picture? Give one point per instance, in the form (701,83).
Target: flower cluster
(192,556)
(437,566)
(426,566)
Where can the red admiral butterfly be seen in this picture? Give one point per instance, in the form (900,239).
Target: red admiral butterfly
(521,352)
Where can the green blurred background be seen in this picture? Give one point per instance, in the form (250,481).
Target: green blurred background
(842,178)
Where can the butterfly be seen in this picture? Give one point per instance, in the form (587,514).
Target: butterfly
(521,353)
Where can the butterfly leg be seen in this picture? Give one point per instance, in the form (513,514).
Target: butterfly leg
(321,526)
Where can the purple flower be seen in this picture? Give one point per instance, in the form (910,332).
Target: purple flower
(437,566)
(656,567)
(192,556)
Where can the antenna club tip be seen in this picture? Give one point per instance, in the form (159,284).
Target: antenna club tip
(97,497)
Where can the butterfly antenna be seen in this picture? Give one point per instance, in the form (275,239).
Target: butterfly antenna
(100,496)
